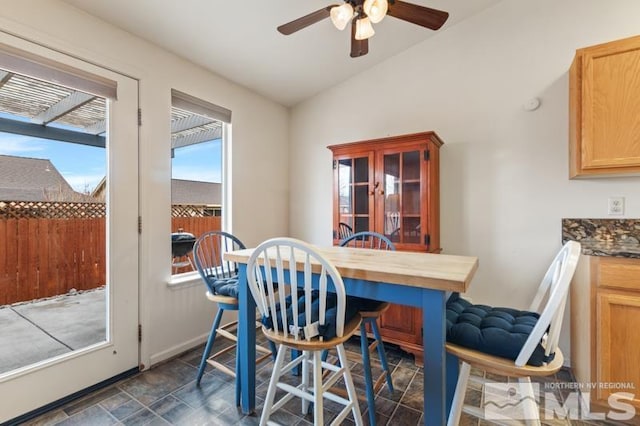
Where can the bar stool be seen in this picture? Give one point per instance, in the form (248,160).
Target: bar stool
(307,320)
(511,343)
(221,280)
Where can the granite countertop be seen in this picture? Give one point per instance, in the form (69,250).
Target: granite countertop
(610,248)
(604,237)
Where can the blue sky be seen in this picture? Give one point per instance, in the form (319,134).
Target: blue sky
(202,162)
(84,166)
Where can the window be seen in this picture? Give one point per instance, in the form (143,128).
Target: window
(198,130)
(53,241)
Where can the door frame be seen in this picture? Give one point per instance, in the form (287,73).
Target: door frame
(35,386)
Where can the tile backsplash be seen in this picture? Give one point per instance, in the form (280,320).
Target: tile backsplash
(617,231)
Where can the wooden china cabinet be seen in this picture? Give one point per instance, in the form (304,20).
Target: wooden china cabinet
(391,186)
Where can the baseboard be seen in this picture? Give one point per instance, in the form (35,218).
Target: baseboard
(176,350)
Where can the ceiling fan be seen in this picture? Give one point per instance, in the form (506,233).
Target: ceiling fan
(362,13)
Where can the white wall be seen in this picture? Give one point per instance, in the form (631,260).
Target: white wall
(504,171)
(173,319)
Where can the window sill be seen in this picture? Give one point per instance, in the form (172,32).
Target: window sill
(186,280)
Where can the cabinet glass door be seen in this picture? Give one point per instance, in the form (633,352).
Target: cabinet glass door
(353,196)
(401,190)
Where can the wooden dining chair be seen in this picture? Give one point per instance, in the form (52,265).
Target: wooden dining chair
(221,279)
(509,342)
(370,311)
(311,318)
(344,230)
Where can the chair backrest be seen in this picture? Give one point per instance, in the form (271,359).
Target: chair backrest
(550,301)
(344,230)
(208,253)
(368,239)
(304,269)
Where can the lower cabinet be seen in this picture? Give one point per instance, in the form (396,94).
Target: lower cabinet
(605,330)
(618,343)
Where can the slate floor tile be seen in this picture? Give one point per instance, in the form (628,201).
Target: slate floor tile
(171,409)
(89,400)
(94,415)
(405,416)
(143,417)
(209,391)
(50,418)
(158,382)
(167,395)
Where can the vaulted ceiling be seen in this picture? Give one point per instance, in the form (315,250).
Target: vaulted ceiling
(238,39)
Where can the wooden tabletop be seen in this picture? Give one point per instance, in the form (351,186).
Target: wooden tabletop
(424,270)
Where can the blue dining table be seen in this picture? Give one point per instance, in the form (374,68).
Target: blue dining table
(421,280)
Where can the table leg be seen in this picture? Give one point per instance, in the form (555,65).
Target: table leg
(435,365)
(453,365)
(246,342)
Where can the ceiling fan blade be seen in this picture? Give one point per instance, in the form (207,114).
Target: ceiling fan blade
(305,21)
(419,15)
(358,47)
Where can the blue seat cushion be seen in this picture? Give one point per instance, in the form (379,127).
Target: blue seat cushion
(328,329)
(496,331)
(224,286)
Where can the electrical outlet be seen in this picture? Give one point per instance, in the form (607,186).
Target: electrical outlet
(616,206)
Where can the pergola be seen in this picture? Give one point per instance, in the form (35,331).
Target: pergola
(50,111)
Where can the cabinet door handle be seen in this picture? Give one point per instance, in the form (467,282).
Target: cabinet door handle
(375,186)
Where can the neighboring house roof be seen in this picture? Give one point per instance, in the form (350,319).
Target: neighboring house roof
(34,179)
(196,193)
(184,192)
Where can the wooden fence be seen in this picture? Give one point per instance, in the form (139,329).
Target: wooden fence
(196,226)
(46,257)
(42,257)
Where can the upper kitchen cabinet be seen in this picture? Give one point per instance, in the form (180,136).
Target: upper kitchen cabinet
(604,106)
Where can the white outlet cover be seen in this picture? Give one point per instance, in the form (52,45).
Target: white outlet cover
(616,206)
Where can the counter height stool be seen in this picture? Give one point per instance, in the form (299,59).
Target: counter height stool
(509,342)
(311,318)
(221,280)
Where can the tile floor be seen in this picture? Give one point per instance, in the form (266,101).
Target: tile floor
(167,394)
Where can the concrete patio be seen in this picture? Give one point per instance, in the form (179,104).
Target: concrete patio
(37,330)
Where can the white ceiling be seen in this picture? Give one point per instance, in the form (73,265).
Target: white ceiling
(238,39)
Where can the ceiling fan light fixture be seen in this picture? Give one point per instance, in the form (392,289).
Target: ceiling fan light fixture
(364,29)
(341,15)
(360,14)
(376,10)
